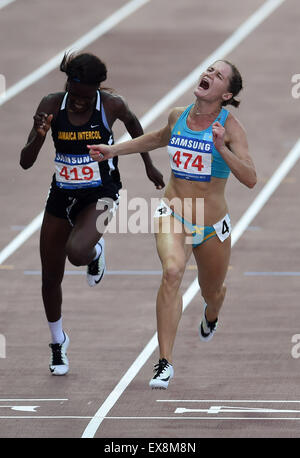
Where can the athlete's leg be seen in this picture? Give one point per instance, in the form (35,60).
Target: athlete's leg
(53,238)
(173,254)
(84,236)
(212,258)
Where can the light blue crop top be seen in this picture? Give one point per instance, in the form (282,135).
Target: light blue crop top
(192,153)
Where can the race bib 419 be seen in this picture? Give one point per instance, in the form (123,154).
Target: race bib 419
(74,171)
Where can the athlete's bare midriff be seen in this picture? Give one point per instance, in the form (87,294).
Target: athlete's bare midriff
(210,193)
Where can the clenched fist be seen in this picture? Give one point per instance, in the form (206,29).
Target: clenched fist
(42,123)
(100,152)
(218,135)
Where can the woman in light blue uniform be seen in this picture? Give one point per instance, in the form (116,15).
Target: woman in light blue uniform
(194,157)
(205,143)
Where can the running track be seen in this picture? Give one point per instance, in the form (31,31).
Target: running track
(248,371)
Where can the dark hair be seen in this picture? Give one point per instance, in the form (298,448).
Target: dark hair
(84,68)
(235,85)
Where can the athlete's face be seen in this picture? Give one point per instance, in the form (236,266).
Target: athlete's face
(214,82)
(81,96)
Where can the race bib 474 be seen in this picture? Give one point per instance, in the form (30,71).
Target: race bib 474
(190,158)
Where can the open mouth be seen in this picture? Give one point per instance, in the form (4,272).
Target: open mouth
(204,84)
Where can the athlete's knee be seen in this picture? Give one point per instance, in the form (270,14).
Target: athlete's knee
(172,273)
(76,257)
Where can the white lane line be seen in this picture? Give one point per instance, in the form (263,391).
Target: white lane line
(44,417)
(78,417)
(79,44)
(234,40)
(226,400)
(3,3)
(22,237)
(228,409)
(30,400)
(107,272)
(272,274)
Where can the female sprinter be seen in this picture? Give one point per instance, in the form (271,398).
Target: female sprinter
(205,143)
(82,113)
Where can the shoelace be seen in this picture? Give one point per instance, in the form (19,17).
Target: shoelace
(56,354)
(160,367)
(93,267)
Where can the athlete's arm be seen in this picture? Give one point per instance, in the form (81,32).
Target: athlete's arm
(135,130)
(36,138)
(147,142)
(232,144)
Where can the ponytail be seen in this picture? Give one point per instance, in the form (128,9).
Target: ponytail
(84,68)
(235,86)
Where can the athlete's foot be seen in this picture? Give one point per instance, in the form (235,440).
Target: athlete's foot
(96,269)
(59,364)
(207,328)
(164,372)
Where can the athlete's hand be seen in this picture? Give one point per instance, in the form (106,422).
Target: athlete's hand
(218,135)
(42,123)
(155,176)
(101,152)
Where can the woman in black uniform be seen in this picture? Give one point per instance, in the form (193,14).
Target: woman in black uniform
(82,114)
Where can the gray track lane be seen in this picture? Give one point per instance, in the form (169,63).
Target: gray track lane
(98,337)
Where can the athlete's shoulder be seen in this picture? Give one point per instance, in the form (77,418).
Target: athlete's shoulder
(177,111)
(50,103)
(175,114)
(110,97)
(115,106)
(233,123)
(234,129)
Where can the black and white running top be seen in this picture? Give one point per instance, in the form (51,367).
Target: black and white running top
(75,170)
